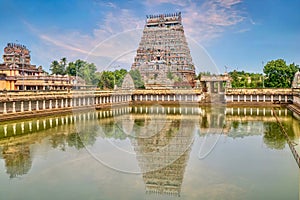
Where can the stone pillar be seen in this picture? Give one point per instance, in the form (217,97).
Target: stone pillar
(14,107)
(62,103)
(264,99)
(88,101)
(96,100)
(250,97)
(174,97)
(37,105)
(245,98)
(168,97)
(279,98)
(232,98)
(71,102)
(272,98)
(29,106)
(44,104)
(157,97)
(141,97)
(285,98)
(257,98)
(186,97)
(22,106)
(146,97)
(66,103)
(151,97)
(79,101)
(50,104)
(238,98)
(162,97)
(56,103)
(100,100)
(83,101)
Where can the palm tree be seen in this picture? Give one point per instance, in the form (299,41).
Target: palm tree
(55,67)
(63,65)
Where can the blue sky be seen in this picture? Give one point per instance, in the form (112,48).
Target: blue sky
(239,34)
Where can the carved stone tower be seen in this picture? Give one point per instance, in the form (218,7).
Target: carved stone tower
(163,56)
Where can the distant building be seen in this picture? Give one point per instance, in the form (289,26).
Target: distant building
(163,56)
(17,73)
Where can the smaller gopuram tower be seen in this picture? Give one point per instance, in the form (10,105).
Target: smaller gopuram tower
(163,56)
(16,54)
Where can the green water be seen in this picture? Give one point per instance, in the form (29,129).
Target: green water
(151,152)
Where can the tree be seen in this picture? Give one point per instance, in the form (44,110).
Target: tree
(108,79)
(59,67)
(55,67)
(279,74)
(80,68)
(63,65)
(242,79)
(137,79)
(87,72)
(71,69)
(119,76)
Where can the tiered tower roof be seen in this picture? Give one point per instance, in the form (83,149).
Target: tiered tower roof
(163,57)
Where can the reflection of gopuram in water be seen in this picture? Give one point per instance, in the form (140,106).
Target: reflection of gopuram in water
(163,155)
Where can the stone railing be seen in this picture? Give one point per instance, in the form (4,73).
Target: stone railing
(27,103)
(259,95)
(249,91)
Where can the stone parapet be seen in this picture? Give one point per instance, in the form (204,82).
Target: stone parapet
(262,91)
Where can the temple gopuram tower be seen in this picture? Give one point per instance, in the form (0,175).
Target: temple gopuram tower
(163,56)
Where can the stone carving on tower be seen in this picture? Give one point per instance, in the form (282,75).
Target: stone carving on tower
(163,56)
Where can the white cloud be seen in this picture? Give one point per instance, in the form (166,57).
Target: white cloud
(210,19)
(157,2)
(114,38)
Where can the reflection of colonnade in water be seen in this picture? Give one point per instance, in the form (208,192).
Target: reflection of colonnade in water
(16,137)
(206,117)
(31,126)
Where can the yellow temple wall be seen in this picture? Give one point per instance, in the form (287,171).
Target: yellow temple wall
(2,84)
